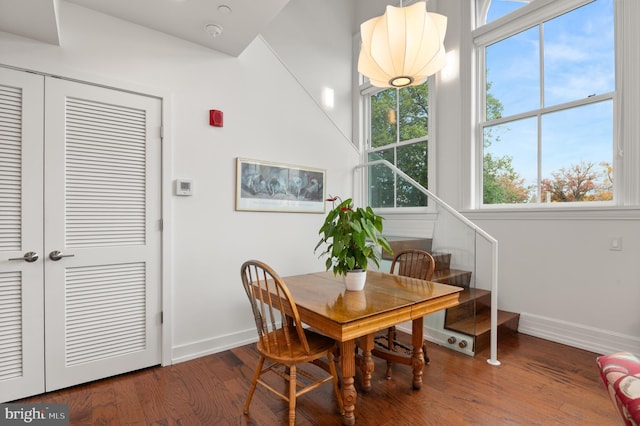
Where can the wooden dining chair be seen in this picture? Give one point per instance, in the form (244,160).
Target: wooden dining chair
(409,263)
(283,341)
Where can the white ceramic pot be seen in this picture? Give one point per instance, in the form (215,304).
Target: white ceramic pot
(354,280)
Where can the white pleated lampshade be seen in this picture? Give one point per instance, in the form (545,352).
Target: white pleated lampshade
(403,47)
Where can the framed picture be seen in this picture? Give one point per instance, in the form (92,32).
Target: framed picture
(276,187)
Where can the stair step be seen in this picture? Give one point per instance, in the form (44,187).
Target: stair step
(402,243)
(482,322)
(453,277)
(470,301)
(508,327)
(443,260)
(480,327)
(471,294)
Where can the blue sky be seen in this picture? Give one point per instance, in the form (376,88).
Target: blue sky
(578,63)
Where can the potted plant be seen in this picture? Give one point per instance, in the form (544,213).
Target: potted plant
(352,237)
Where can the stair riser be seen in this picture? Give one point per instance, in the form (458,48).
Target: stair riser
(468,309)
(399,245)
(458,313)
(452,277)
(483,341)
(443,261)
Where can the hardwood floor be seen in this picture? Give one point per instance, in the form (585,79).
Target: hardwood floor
(538,383)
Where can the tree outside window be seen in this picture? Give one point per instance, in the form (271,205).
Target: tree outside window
(399,129)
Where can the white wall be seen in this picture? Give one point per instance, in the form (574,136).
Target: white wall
(322,30)
(267,116)
(560,274)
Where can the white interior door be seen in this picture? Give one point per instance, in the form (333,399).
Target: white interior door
(80,237)
(21,284)
(102,219)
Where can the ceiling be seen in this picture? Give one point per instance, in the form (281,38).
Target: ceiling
(238,21)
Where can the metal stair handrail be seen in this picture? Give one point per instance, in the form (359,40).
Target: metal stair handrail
(493,360)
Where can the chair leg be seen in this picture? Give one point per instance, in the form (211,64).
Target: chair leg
(336,353)
(424,353)
(254,382)
(391,335)
(388,373)
(336,382)
(292,395)
(391,342)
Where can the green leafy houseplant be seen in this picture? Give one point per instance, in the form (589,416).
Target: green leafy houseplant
(351,237)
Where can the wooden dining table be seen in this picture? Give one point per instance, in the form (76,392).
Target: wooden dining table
(326,306)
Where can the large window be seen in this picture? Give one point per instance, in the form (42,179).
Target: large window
(547,89)
(398,131)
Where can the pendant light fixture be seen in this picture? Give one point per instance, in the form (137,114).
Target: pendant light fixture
(403,47)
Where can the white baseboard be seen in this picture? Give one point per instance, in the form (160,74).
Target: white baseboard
(577,335)
(211,346)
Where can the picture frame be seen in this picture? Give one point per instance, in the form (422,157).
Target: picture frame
(277,187)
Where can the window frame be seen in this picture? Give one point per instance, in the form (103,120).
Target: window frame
(524,18)
(366,91)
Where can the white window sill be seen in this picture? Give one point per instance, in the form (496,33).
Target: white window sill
(555,213)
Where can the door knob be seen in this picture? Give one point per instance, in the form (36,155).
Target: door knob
(57,255)
(30,256)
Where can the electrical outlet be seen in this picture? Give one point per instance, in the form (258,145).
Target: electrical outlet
(615,244)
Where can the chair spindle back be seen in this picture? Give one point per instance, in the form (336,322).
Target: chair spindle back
(414,264)
(274,310)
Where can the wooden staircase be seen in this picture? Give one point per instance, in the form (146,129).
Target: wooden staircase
(472,301)
(472,316)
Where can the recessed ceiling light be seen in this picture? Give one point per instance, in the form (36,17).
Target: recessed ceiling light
(223,9)
(214,30)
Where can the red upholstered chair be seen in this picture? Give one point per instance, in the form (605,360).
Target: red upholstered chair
(283,341)
(621,376)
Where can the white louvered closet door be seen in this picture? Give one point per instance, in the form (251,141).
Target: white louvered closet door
(102,211)
(21,284)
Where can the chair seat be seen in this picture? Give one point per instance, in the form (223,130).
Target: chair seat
(318,347)
(621,376)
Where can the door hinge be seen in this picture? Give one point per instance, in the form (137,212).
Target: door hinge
(161,317)
(161,132)
(161,224)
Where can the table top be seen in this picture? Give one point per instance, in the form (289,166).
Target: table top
(387,299)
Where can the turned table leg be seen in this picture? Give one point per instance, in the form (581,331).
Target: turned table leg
(417,359)
(367,361)
(348,369)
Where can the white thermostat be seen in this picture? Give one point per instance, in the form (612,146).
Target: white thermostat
(184,187)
